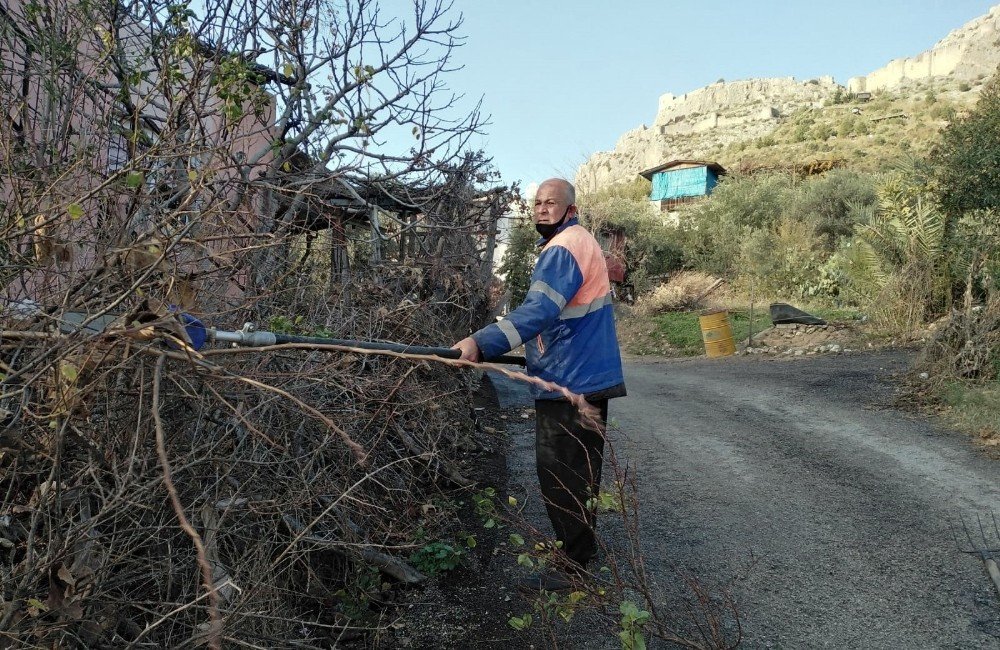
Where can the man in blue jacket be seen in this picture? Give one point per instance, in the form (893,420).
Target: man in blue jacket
(567,326)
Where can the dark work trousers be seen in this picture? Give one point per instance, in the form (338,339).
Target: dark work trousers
(568,457)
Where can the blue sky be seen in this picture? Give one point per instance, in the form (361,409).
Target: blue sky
(563,80)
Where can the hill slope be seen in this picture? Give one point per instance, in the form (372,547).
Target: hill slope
(772,122)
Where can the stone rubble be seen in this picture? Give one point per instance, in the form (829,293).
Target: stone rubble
(792,339)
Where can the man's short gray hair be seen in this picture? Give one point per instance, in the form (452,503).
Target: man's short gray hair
(567,188)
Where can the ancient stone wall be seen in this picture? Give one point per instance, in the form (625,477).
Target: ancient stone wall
(968,52)
(688,125)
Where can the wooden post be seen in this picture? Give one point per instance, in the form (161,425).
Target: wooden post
(376,237)
(340,265)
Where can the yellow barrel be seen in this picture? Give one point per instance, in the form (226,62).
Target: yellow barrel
(717,333)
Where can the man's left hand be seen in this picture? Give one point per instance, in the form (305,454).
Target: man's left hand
(469,349)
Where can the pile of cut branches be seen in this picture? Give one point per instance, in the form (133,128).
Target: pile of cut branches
(967,347)
(684,291)
(156,495)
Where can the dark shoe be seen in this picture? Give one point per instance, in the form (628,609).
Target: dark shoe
(547,581)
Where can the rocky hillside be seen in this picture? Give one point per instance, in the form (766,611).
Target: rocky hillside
(735,122)
(966,53)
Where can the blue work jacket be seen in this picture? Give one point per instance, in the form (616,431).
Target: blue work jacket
(566,322)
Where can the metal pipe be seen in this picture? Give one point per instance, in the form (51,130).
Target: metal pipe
(260,339)
(72,322)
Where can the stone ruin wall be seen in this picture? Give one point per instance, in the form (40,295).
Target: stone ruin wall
(966,53)
(688,125)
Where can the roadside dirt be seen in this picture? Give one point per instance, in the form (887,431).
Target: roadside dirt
(470,606)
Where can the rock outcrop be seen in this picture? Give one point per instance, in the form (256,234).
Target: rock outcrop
(687,126)
(969,52)
(691,125)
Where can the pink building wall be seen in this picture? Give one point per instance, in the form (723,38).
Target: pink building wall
(72,210)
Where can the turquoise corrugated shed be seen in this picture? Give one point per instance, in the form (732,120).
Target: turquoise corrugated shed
(681,183)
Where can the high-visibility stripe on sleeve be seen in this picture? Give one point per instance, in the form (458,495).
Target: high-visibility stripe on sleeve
(578,311)
(544,289)
(510,332)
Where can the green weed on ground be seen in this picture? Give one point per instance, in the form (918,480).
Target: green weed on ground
(679,333)
(974,408)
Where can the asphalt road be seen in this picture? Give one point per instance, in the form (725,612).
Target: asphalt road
(795,484)
(826,511)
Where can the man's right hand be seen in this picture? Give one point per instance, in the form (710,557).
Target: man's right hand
(469,349)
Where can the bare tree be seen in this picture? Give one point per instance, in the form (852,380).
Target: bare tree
(164,156)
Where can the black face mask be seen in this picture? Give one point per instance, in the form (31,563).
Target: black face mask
(546,230)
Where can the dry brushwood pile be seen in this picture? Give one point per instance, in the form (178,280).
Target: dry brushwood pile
(684,291)
(134,474)
(163,160)
(966,345)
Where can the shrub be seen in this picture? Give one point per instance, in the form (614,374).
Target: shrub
(437,557)
(785,261)
(838,97)
(821,131)
(968,159)
(895,264)
(942,111)
(710,234)
(651,248)
(845,126)
(968,346)
(830,203)
(519,259)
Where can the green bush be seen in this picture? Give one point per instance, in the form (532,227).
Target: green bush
(711,233)
(437,557)
(942,111)
(777,233)
(895,264)
(830,203)
(839,97)
(846,126)
(821,131)
(786,261)
(650,249)
(519,259)
(968,159)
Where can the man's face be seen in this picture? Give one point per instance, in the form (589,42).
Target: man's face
(550,203)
